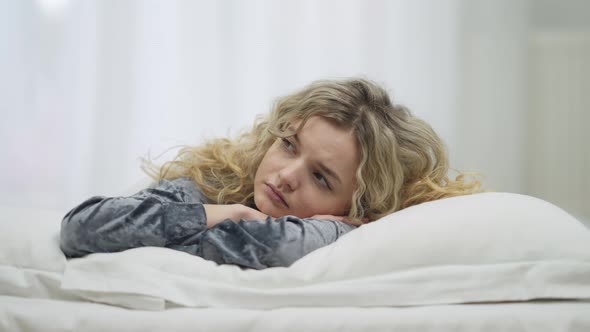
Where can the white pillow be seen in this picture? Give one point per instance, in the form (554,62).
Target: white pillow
(29,238)
(489,228)
(477,248)
(31,263)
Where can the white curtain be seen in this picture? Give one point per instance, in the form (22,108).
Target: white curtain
(559,152)
(490,123)
(88,87)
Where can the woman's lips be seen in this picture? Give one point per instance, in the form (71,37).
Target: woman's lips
(274,194)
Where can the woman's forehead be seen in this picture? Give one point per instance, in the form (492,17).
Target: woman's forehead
(325,142)
(297,123)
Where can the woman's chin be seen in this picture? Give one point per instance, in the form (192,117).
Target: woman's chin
(271,212)
(266,208)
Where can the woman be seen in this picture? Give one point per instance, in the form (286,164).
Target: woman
(327,159)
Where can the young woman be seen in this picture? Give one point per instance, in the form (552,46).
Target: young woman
(326,159)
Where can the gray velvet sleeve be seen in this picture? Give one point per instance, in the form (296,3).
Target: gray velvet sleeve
(172,215)
(261,244)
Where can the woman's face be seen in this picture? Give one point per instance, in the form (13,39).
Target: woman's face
(310,173)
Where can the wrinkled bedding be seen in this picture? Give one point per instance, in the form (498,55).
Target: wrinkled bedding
(22,314)
(485,262)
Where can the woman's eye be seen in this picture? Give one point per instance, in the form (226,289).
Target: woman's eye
(322,179)
(288,145)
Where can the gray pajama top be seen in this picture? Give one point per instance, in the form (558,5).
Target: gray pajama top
(172,215)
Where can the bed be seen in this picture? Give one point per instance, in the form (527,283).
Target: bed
(485,262)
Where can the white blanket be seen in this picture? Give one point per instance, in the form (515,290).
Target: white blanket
(182,279)
(32,315)
(492,247)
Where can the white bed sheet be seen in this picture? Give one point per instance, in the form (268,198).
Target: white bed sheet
(42,291)
(21,314)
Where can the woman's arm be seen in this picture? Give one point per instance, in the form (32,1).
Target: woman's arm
(217,213)
(259,244)
(171,213)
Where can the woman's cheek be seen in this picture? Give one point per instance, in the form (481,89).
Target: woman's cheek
(312,204)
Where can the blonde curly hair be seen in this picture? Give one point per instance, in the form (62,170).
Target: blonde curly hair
(403,161)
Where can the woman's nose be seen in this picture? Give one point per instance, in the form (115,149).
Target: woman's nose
(289,177)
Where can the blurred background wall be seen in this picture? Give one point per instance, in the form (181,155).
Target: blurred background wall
(89,87)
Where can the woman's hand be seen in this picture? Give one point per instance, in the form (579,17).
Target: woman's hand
(341,218)
(217,213)
(248,213)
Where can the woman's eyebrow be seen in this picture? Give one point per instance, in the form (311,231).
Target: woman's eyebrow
(329,172)
(321,165)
